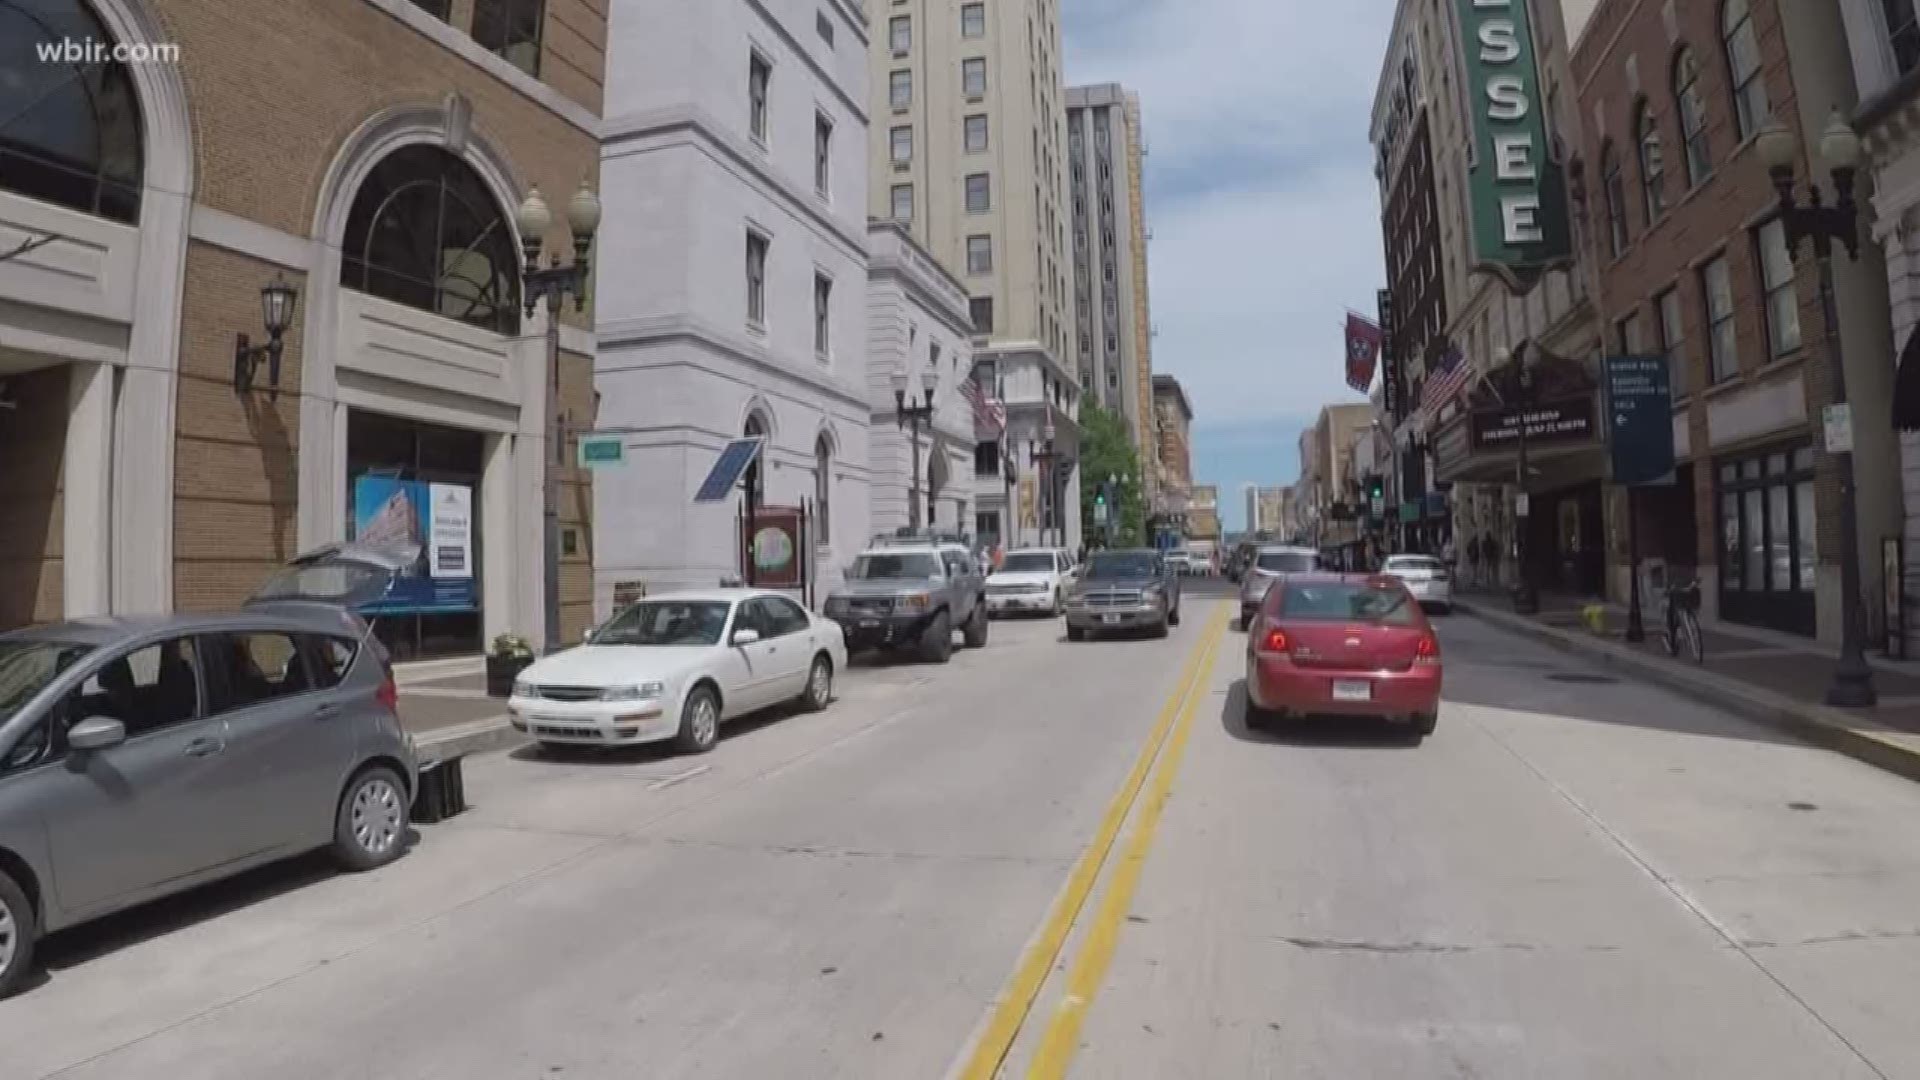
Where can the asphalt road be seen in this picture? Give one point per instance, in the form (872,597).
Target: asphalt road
(1569,879)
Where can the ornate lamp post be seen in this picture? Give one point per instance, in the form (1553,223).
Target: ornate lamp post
(552,285)
(907,414)
(1526,596)
(1043,458)
(1852,685)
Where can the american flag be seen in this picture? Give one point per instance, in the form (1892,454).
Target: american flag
(989,415)
(1450,373)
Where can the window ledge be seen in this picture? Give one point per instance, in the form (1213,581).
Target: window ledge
(759,142)
(1724,387)
(1779,364)
(757,327)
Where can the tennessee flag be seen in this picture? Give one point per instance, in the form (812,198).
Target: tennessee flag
(1363,351)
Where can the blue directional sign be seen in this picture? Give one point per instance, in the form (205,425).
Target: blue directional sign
(728,468)
(1640,419)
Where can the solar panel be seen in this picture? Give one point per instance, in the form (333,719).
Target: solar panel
(728,468)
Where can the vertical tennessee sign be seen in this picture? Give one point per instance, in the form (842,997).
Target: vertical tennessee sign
(1516,189)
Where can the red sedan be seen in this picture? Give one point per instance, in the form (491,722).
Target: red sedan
(1343,645)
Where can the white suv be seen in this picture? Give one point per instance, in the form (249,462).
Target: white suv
(1030,580)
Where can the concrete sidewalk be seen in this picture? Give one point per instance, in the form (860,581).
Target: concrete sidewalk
(1761,678)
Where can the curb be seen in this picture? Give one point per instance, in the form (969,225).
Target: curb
(473,737)
(1860,738)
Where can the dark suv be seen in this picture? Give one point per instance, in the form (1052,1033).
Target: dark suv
(1132,589)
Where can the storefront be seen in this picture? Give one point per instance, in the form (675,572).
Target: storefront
(1766,520)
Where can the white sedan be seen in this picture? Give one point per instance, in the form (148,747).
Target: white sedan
(677,666)
(1425,577)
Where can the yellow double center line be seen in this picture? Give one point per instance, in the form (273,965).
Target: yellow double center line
(1170,731)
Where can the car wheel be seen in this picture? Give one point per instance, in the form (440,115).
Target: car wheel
(1059,604)
(976,629)
(1163,628)
(819,692)
(699,722)
(370,826)
(1074,633)
(1424,723)
(936,643)
(17,933)
(1173,617)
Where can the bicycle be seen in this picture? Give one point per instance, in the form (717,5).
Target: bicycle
(1682,623)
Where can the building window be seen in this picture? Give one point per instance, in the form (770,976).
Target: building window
(973,20)
(979,254)
(973,77)
(439,9)
(979,194)
(756,279)
(902,202)
(1693,117)
(822,316)
(1673,338)
(823,25)
(900,89)
(822,153)
(510,29)
(1626,335)
(901,141)
(759,77)
(70,133)
(1716,286)
(1903,33)
(1767,519)
(1776,279)
(900,34)
(823,490)
(980,310)
(1614,187)
(1653,166)
(1742,47)
(976,134)
(425,231)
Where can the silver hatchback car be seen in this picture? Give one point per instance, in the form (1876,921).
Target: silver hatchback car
(143,756)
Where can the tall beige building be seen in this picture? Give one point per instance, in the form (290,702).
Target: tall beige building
(968,150)
(1111,322)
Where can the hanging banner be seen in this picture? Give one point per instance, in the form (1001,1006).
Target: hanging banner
(1363,349)
(1516,188)
(438,518)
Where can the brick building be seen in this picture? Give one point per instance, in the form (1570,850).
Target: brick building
(1693,263)
(370,153)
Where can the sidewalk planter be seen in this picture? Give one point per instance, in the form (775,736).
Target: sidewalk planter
(505,661)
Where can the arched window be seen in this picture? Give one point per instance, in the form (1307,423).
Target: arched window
(425,231)
(1653,166)
(756,478)
(1742,48)
(1613,188)
(823,490)
(1693,116)
(70,130)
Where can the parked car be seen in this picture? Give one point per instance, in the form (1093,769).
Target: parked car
(1269,563)
(1426,577)
(1128,589)
(676,667)
(912,591)
(142,756)
(1030,580)
(1343,644)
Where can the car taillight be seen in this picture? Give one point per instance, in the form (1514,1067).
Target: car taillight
(389,693)
(1274,641)
(1427,651)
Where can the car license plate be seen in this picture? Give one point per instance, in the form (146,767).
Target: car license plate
(868,624)
(1110,620)
(1352,690)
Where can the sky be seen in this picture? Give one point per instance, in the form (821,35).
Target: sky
(1262,203)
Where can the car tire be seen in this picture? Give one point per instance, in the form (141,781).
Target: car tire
(1059,604)
(819,692)
(370,822)
(19,927)
(975,633)
(699,722)
(1424,724)
(1173,617)
(936,642)
(1163,627)
(1074,633)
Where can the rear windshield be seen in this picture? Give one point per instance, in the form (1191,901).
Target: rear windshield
(1122,564)
(1341,601)
(1288,562)
(1029,562)
(1415,562)
(906,566)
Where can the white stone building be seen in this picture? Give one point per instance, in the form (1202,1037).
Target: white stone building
(733,298)
(917,326)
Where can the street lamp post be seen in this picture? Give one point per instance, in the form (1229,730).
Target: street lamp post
(1043,457)
(1852,685)
(551,285)
(910,415)
(1526,598)
(1113,505)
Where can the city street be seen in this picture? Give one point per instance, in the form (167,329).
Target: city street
(985,867)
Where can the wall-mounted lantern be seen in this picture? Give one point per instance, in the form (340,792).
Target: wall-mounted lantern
(276,312)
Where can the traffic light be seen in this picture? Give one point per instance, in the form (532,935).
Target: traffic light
(1100,497)
(1376,488)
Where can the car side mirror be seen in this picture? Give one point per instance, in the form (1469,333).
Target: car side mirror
(96,733)
(745,637)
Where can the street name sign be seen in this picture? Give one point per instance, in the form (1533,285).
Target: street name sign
(600,451)
(1639,419)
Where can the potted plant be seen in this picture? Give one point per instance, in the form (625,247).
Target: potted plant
(509,656)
